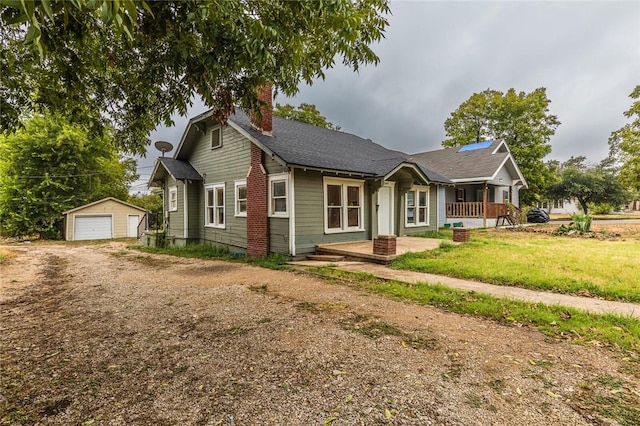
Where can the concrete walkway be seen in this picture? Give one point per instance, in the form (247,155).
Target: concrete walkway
(585,303)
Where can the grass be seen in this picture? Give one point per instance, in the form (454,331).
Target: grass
(200,251)
(5,255)
(588,267)
(611,216)
(555,321)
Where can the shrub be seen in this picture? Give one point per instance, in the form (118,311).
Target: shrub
(581,222)
(602,208)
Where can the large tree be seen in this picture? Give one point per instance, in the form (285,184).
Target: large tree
(131,64)
(588,184)
(520,119)
(305,113)
(50,166)
(624,145)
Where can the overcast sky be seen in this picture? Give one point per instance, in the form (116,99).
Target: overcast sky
(435,55)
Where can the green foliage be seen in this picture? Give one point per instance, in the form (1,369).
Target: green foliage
(624,145)
(601,208)
(521,119)
(50,166)
(152,202)
(553,320)
(541,262)
(203,251)
(582,222)
(305,113)
(588,185)
(131,65)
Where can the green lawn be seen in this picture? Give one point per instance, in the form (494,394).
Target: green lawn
(607,269)
(556,321)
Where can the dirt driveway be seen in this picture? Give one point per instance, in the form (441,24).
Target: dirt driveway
(98,334)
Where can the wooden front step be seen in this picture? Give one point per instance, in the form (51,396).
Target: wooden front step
(326,257)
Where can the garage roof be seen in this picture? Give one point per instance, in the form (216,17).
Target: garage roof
(102,201)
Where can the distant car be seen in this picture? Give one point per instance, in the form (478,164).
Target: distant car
(537,216)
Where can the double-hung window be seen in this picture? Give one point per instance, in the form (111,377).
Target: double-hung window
(241,198)
(216,137)
(417,207)
(279,195)
(214,205)
(173,199)
(343,199)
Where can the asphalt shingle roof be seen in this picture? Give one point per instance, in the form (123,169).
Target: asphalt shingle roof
(302,144)
(452,163)
(180,169)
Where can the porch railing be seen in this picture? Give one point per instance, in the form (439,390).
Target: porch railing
(150,222)
(476,210)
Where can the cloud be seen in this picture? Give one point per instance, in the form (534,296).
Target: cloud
(437,54)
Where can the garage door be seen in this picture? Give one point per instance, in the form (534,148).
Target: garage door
(92,228)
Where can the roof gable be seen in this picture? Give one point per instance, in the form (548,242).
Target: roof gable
(178,169)
(102,201)
(479,161)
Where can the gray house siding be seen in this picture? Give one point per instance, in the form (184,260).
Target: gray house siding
(194,195)
(309,214)
(278,226)
(226,164)
(442,205)
(432,213)
(175,219)
(279,235)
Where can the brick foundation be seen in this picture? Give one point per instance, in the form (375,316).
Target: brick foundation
(461,235)
(257,197)
(384,245)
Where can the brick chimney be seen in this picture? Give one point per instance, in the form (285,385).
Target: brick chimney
(257,209)
(264,123)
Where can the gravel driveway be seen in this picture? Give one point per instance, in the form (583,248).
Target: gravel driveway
(101,335)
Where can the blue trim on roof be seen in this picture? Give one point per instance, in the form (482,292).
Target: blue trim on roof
(476,146)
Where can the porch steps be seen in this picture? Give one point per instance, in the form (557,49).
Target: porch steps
(326,257)
(506,218)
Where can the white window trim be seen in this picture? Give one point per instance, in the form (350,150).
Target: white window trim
(276,178)
(418,189)
(345,211)
(219,145)
(237,185)
(172,190)
(213,187)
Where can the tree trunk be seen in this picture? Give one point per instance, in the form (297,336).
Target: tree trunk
(583,204)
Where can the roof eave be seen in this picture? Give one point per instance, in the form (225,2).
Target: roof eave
(191,122)
(260,145)
(152,179)
(334,171)
(102,200)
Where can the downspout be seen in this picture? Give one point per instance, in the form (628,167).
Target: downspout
(185,213)
(292,215)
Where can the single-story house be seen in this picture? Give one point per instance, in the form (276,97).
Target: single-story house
(561,206)
(486,178)
(103,219)
(263,184)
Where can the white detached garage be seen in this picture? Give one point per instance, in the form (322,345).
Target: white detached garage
(103,219)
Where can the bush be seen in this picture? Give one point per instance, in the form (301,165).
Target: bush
(603,208)
(581,222)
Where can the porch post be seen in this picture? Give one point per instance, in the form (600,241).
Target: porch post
(484,204)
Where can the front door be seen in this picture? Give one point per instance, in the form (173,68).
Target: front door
(385,209)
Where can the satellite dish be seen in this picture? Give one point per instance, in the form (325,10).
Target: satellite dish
(163,146)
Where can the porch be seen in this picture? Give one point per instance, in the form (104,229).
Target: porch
(476,210)
(363,250)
